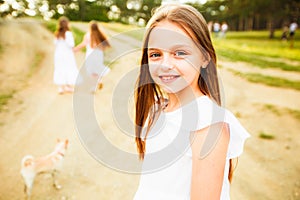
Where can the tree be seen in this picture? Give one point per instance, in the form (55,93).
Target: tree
(251,14)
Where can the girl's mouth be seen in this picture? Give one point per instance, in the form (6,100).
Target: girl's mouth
(168,78)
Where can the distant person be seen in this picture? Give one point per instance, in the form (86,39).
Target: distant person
(65,68)
(292,29)
(224,29)
(285,33)
(216,28)
(184,137)
(210,26)
(95,42)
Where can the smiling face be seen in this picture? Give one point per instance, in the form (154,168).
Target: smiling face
(174,59)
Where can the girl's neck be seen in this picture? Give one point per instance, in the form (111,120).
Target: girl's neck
(177,100)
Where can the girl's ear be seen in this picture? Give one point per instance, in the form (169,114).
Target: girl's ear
(206,61)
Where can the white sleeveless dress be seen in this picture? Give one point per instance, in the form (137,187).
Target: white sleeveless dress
(65,67)
(167,167)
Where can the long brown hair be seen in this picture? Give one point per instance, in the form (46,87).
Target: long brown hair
(98,39)
(148,93)
(62,27)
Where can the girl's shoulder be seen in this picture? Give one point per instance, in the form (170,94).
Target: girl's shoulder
(68,33)
(204,113)
(211,113)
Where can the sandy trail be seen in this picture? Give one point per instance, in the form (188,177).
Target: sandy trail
(268,169)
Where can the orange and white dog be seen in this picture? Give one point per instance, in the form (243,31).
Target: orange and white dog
(52,163)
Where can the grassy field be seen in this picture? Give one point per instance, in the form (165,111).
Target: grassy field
(256,48)
(130,30)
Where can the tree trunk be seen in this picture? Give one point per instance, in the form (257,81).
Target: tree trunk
(250,23)
(270,26)
(257,22)
(82,9)
(241,24)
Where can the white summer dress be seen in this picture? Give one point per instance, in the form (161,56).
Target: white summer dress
(65,67)
(94,58)
(167,166)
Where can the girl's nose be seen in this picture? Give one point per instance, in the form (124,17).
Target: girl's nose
(166,63)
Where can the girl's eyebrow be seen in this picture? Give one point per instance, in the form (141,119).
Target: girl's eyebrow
(152,48)
(176,46)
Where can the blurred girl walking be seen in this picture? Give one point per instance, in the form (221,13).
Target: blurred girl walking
(65,68)
(95,42)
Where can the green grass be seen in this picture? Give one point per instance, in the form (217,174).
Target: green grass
(36,62)
(264,135)
(294,113)
(273,109)
(255,59)
(130,30)
(254,47)
(279,111)
(78,35)
(269,80)
(4,98)
(50,25)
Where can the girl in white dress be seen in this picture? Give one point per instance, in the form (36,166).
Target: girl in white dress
(96,43)
(65,68)
(184,137)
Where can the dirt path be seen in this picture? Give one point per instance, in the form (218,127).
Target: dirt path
(32,128)
(269,169)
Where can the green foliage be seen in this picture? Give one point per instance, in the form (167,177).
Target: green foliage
(240,15)
(250,14)
(88,11)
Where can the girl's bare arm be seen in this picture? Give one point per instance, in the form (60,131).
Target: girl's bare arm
(208,170)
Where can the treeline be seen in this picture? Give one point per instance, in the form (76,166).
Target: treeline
(125,11)
(252,14)
(239,14)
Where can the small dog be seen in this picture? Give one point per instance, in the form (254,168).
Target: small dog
(52,163)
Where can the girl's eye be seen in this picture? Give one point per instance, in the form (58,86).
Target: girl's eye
(180,53)
(154,55)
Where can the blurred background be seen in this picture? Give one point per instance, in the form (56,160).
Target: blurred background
(259,69)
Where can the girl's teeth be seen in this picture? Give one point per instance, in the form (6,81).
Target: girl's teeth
(168,77)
